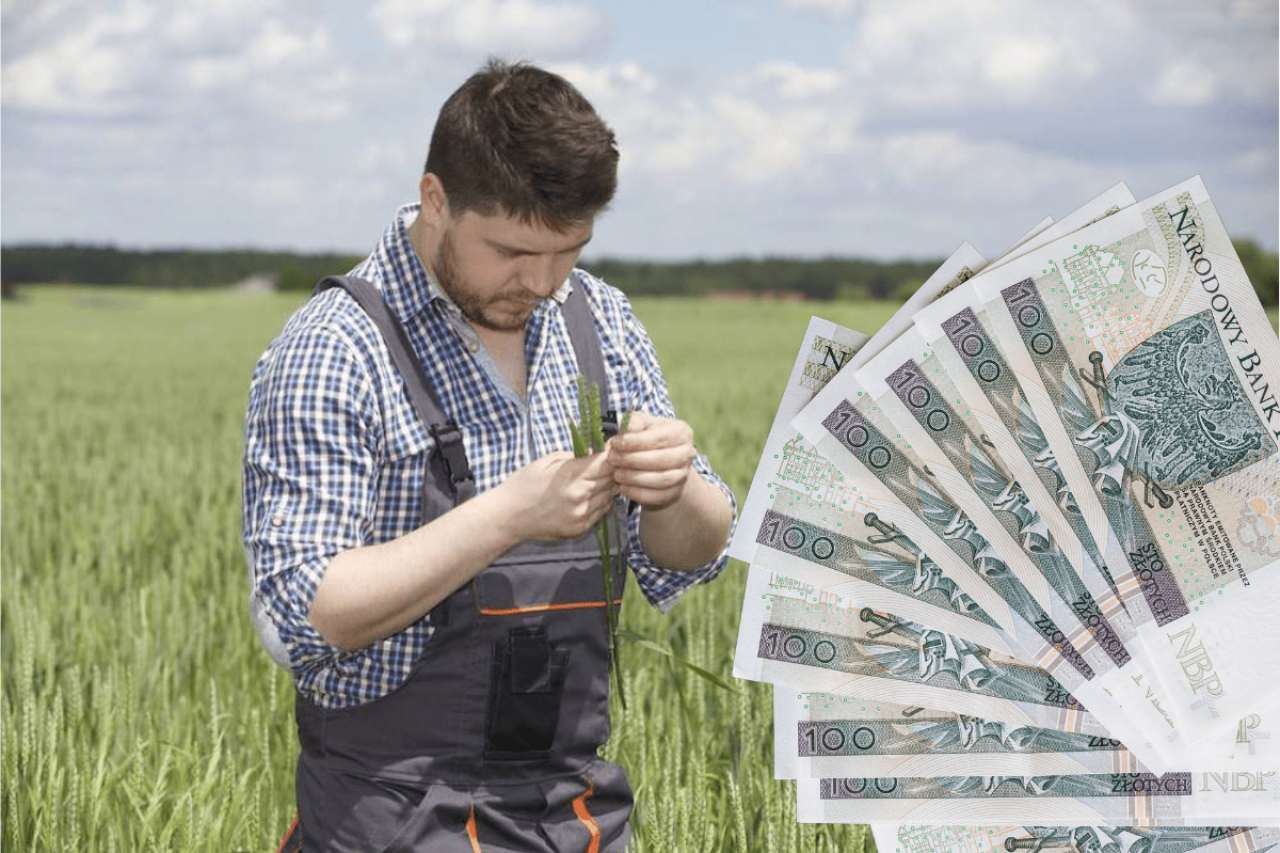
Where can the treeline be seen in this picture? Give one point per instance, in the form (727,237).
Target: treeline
(819,279)
(180,268)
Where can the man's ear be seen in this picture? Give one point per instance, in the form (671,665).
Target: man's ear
(435,204)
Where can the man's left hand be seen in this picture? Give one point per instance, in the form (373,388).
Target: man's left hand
(652,460)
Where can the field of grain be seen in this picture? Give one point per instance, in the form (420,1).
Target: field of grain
(139,712)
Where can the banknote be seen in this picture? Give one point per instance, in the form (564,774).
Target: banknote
(896,838)
(826,348)
(963,264)
(1018,517)
(1101,206)
(845,648)
(1255,740)
(1039,228)
(907,383)
(869,449)
(812,527)
(1152,374)
(822,554)
(822,734)
(995,409)
(1095,799)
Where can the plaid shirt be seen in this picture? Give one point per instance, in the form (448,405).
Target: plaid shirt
(335,454)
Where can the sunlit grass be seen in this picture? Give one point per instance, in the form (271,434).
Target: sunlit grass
(139,712)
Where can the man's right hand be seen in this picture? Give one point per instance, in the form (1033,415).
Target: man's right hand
(373,591)
(558,496)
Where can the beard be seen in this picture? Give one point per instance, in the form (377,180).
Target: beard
(479,311)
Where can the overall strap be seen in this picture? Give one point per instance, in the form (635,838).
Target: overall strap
(586,346)
(448,437)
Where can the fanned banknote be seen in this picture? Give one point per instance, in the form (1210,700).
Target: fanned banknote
(907,382)
(1098,799)
(828,735)
(853,650)
(809,551)
(827,347)
(1000,511)
(973,587)
(896,838)
(1151,374)
(871,453)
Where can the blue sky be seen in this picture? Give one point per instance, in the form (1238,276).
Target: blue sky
(747,127)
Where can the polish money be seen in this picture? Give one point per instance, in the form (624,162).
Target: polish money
(895,838)
(1096,799)
(829,735)
(857,651)
(1152,373)
(983,617)
(869,450)
(827,347)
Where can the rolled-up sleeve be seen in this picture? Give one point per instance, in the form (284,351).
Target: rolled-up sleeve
(645,388)
(310,469)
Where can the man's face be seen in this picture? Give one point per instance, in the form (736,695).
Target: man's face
(497,268)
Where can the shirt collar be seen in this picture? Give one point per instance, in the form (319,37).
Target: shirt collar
(408,286)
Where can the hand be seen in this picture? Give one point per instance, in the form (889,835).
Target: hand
(652,460)
(559,496)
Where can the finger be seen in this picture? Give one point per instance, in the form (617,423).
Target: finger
(653,432)
(651,498)
(659,480)
(597,466)
(659,459)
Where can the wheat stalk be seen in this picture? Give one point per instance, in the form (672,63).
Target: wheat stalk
(588,437)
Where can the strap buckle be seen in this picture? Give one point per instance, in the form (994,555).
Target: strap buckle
(453,454)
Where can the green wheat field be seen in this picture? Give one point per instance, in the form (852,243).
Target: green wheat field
(139,712)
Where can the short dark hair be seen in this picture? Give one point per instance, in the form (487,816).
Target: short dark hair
(522,140)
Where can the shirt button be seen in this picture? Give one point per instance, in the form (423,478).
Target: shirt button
(475,347)
(277,521)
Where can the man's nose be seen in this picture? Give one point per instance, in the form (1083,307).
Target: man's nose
(537,275)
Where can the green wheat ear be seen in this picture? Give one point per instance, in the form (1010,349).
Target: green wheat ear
(588,437)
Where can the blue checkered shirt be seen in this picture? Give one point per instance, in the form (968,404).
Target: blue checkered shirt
(335,454)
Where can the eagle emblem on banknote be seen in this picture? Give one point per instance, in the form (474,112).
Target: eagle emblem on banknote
(1174,412)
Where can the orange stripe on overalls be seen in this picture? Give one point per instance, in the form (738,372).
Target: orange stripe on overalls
(472,835)
(543,608)
(580,809)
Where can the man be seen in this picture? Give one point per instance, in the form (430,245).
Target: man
(420,539)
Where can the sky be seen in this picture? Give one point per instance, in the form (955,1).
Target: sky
(747,127)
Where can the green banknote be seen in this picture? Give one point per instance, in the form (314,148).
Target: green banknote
(812,552)
(906,838)
(826,735)
(846,648)
(907,382)
(1140,348)
(868,448)
(1096,799)
(826,348)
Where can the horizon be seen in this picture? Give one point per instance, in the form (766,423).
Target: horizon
(844,128)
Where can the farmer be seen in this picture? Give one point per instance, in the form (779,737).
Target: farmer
(420,536)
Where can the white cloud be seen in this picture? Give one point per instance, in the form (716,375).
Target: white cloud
(930,54)
(1020,65)
(488,25)
(827,7)
(948,53)
(1184,82)
(739,134)
(145,56)
(798,81)
(975,171)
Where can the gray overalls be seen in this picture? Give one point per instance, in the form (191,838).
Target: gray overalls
(491,744)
